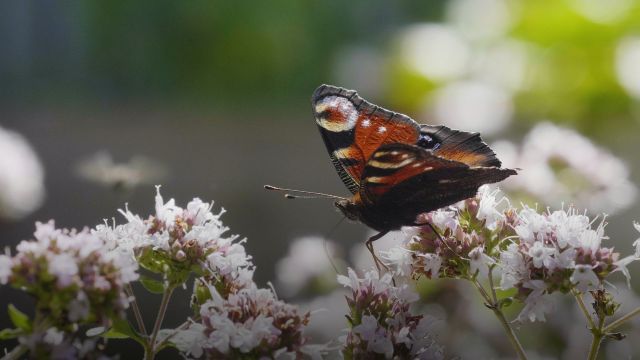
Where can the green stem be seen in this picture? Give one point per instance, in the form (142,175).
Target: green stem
(136,310)
(151,351)
(493,305)
(16,353)
(616,324)
(597,340)
(583,307)
(183,326)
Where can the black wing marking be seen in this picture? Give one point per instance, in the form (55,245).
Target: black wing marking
(460,146)
(421,181)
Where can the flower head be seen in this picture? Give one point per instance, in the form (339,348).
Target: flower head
(381,324)
(176,241)
(77,277)
(250,321)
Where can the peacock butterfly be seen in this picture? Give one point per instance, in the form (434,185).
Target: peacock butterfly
(396,168)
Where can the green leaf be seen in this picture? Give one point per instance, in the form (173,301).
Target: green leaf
(113,334)
(6,334)
(96,331)
(121,329)
(19,319)
(152,285)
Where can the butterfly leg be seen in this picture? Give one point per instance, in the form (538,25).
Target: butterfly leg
(437,234)
(369,245)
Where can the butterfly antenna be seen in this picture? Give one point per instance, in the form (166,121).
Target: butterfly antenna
(325,244)
(307,194)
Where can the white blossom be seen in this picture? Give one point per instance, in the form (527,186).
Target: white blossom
(445,219)
(249,320)
(432,263)
(387,332)
(537,304)
(605,184)
(487,207)
(584,278)
(480,262)
(541,254)
(636,243)
(64,267)
(400,259)
(53,336)
(514,267)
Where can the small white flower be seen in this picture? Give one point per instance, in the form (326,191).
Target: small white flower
(381,344)
(400,259)
(537,304)
(569,228)
(367,328)
(621,265)
(591,240)
(480,262)
(584,278)
(432,264)
(445,219)
(514,267)
(565,259)
(487,207)
(532,227)
(198,211)
(64,267)
(166,212)
(541,255)
(53,336)
(351,281)
(375,336)
(190,340)
(637,242)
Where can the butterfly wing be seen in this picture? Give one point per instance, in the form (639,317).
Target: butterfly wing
(457,145)
(352,129)
(401,181)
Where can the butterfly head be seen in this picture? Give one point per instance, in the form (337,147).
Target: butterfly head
(350,209)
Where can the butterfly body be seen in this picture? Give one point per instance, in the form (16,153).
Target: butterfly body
(395,168)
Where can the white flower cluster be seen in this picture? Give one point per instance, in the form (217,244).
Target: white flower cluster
(177,241)
(556,251)
(76,276)
(537,254)
(251,323)
(381,324)
(588,175)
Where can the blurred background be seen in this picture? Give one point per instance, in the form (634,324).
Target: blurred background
(99,101)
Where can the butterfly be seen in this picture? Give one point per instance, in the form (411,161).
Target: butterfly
(395,168)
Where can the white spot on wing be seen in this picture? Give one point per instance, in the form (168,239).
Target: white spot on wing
(382,129)
(366,123)
(342,106)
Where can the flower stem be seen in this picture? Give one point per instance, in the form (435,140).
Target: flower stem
(182,326)
(583,307)
(616,324)
(597,340)
(136,310)
(166,296)
(16,353)
(493,305)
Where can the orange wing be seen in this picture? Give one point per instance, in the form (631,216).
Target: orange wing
(352,129)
